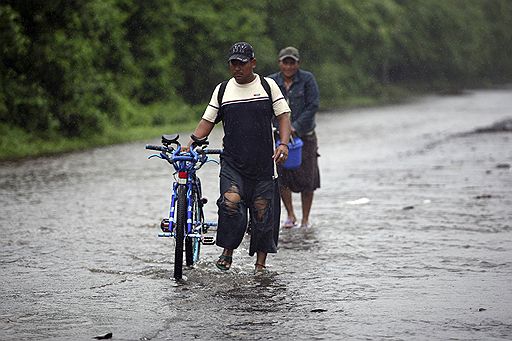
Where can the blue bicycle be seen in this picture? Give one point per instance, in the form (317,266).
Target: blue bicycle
(186,217)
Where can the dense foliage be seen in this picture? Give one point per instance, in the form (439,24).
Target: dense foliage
(75,68)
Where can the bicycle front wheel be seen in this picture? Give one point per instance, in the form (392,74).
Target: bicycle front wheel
(179,230)
(192,244)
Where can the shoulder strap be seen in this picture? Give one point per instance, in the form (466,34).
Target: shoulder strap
(222,90)
(266,86)
(220,95)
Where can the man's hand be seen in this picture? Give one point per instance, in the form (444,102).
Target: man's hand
(187,147)
(280,154)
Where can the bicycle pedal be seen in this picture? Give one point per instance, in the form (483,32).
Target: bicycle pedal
(208,240)
(165,234)
(208,225)
(164,225)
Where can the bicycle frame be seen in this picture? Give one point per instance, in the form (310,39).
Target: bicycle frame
(184,166)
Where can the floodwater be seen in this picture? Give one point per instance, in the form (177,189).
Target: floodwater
(412,239)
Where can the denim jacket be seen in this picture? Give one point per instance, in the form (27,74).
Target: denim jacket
(303,97)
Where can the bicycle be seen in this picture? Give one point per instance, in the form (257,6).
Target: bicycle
(186,222)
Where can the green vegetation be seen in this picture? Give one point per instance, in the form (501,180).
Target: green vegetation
(75,74)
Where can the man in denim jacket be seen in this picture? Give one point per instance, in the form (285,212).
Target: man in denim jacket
(301,92)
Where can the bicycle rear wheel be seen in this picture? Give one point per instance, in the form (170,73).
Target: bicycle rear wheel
(179,230)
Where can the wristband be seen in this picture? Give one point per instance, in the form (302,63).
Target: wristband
(284,144)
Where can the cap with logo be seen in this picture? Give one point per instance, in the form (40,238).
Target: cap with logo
(289,52)
(241,51)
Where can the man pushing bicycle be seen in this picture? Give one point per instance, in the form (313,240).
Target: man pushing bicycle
(246,105)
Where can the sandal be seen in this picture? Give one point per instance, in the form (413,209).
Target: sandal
(288,224)
(224,262)
(259,268)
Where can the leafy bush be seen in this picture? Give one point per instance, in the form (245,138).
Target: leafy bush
(85,68)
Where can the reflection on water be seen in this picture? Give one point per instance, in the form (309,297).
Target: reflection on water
(412,239)
(299,239)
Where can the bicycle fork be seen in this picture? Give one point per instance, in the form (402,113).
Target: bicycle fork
(167,224)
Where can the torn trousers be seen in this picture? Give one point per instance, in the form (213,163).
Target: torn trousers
(242,199)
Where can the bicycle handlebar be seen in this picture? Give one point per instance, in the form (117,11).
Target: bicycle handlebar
(159,148)
(212,151)
(168,150)
(195,155)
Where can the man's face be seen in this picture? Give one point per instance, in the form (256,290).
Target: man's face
(289,67)
(242,72)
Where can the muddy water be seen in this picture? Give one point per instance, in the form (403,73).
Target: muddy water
(412,239)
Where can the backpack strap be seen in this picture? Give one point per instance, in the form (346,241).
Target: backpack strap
(222,90)
(220,95)
(266,86)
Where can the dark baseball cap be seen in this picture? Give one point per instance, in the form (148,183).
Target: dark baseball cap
(289,52)
(241,51)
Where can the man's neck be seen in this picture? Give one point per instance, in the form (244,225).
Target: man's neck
(288,82)
(251,79)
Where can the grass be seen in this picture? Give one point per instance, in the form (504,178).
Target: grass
(148,123)
(15,143)
(140,123)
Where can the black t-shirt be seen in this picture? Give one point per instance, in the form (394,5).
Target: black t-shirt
(247,120)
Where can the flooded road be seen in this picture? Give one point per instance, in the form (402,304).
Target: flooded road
(412,239)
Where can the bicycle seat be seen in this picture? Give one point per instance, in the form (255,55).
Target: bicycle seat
(168,139)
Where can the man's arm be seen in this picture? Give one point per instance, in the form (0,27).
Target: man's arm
(312,100)
(203,129)
(284,136)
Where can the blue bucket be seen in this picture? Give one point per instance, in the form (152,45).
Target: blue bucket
(294,153)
